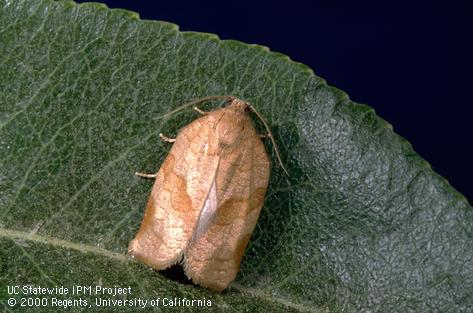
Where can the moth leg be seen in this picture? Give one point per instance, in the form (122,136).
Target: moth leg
(200,111)
(167,139)
(268,135)
(146,175)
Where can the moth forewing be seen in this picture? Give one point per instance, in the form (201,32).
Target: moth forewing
(214,260)
(176,199)
(205,204)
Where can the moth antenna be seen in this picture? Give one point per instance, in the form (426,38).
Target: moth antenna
(275,146)
(191,103)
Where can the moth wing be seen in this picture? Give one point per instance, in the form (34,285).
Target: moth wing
(177,197)
(214,254)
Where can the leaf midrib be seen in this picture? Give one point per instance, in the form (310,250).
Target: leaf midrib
(84,248)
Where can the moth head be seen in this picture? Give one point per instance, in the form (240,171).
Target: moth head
(231,122)
(237,105)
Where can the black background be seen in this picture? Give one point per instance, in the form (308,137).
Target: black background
(412,62)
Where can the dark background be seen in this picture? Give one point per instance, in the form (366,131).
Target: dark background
(412,62)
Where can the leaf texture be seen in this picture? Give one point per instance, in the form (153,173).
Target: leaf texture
(362,224)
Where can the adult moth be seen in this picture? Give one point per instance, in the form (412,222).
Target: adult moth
(207,196)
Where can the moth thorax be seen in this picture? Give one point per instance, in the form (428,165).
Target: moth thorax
(232,128)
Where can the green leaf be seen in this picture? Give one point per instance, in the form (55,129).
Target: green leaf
(362,224)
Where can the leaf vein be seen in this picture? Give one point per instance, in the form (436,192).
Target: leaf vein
(55,242)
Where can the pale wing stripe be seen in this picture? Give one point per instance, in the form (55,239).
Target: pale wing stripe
(208,212)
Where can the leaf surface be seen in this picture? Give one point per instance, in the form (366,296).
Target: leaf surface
(362,224)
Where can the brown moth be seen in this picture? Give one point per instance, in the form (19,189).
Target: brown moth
(207,197)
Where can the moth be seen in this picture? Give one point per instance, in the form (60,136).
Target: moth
(207,196)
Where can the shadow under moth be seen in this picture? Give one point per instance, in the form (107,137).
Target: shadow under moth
(207,196)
